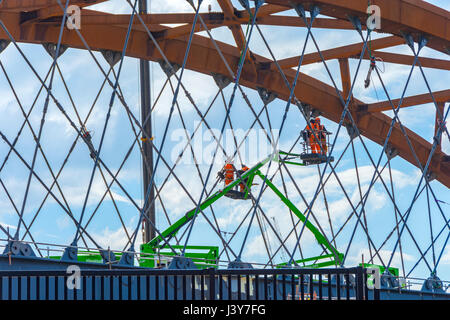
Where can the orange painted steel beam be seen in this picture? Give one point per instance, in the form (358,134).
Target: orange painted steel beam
(345,77)
(266,10)
(205,59)
(408,60)
(91,17)
(236,30)
(213,20)
(346,51)
(31,5)
(439,96)
(173,33)
(290,21)
(44,13)
(397,17)
(228,11)
(242,17)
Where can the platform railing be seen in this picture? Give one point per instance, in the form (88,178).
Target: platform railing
(206,284)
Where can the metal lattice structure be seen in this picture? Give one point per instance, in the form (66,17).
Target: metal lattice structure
(255,86)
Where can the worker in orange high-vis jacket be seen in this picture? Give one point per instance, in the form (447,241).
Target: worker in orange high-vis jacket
(317,136)
(322,136)
(311,131)
(243,182)
(228,171)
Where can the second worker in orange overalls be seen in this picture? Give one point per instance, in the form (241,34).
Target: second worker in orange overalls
(317,136)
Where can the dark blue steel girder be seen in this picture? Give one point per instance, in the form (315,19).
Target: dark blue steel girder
(207,284)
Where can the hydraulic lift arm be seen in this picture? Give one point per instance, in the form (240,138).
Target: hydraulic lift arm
(319,236)
(249,176)
(174,228)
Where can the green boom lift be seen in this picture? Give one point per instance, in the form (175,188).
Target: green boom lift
(156,254)
(153,250)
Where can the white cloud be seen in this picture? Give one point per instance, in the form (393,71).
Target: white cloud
(446,256)
(155,6)
(201,88)
(114,239)
(385,256)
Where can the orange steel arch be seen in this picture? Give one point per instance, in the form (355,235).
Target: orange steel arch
(38,21)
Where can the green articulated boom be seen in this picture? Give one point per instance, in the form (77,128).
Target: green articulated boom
(207,256)
(156,253)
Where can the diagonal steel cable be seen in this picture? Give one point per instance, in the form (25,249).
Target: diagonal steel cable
(423,176)
(16,210)
(284,77)
(43,184)
(258,3)
(396,217)
(393,121)
(41,127)
(197,166)
(431,225)
(2,25)
(344,113)
(422,43)
(309,25)
(65,161)
(108,115)
(169,117)
(429,247)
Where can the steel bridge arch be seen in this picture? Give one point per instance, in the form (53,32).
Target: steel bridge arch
(37,21)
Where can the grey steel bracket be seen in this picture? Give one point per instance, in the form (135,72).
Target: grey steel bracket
(430,176)
(314,12)
(112,57)
(192,2)
(356,22)
(52,47)
(127,259)
(301,12)
(304,108)
(315,113)
(307,110)
(221,81)
(169,70)
(245,4)
(433,284)
(181,263)
(237,264)
(391,152)
(409,39)
(351,130)
(18,248)
(423,40)
(108,256)
(4,44)
(70,253)
(388,281)
(265,95)
(299,9)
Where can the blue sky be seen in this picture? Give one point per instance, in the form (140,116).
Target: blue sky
(84,80)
